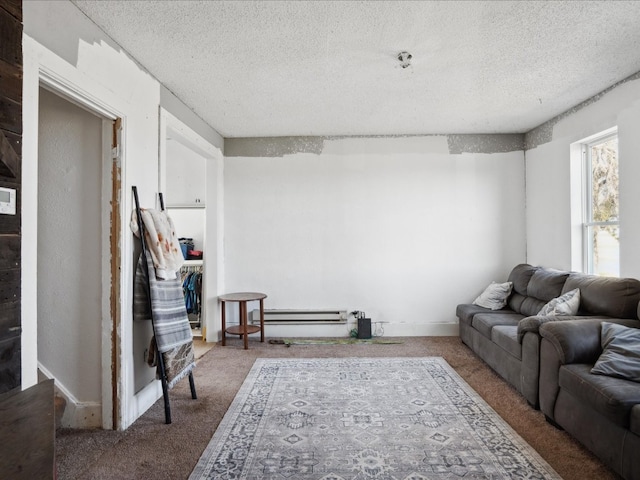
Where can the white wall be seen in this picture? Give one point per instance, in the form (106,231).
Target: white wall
(68,51)
(548,179)
(397,227)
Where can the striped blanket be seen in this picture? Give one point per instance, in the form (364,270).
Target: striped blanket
(170,321)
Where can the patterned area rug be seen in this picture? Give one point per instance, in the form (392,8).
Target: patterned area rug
(363,418)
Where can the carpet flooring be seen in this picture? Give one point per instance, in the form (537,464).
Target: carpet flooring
(363,418)
(150,449)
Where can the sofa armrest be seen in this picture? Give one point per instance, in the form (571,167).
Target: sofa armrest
(532,324)
(575,341)
(578,340)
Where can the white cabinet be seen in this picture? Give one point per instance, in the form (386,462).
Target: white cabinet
(185,176)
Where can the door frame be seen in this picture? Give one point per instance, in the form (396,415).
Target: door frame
(111,194)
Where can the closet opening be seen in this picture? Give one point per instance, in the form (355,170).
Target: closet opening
(78,225)
(186,161)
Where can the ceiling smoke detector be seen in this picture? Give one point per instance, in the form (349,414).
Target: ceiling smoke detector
(405,59)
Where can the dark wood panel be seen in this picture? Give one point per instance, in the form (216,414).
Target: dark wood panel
(10,38)
(27,433)
(10,224)
(10,115)
(15,140)
(9,159)
(9,320)
(11,81)
(11,177)
(10,374)
(9,285)
(9,251)
(14,7)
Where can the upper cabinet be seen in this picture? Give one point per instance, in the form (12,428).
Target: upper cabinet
(185,176)
(184,158)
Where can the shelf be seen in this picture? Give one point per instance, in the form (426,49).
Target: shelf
(186,205)
(238,329)
(192,263)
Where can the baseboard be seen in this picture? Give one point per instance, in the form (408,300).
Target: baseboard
(421,330)
(77,414)
(390,330)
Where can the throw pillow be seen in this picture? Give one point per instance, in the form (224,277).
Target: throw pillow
(494,296)
(620,352)
(567,304)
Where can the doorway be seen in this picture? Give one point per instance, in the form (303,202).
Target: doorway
(73,237)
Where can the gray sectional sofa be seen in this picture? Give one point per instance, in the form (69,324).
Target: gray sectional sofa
(548,359)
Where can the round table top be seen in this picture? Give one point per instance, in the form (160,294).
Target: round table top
(241,297)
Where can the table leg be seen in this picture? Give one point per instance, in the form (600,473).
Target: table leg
(243,319)
(261,320)
(224,324)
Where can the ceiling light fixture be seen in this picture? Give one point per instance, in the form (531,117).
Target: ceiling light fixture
(405,59)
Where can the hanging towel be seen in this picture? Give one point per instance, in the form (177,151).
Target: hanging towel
(162,241)
(163,301)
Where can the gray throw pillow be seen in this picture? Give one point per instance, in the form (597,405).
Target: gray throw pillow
(621,352)
(567,304)
(494,296)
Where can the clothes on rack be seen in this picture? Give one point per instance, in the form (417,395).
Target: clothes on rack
(161,240)
(192,289)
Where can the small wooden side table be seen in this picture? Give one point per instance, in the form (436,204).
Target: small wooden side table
(243,329)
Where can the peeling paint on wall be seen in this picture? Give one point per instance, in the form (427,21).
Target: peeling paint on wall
(497,143)
(544,133)
(272,146)
(281,146)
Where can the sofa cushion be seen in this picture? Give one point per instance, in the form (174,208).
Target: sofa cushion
(613,297)
(494,296)
(609,396)
(506,337)
(466,311)
(520,277)
(546,284)
(484,322)
(529,306)
(620,355)
(566,304)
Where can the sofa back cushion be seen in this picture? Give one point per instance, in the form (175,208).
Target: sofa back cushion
(533,287)
(612,297)
(520,277)
(546,284)
(529,306)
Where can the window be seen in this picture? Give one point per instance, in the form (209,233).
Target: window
(601,250)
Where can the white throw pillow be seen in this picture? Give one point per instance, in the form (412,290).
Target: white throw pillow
(494,296)
(567,304)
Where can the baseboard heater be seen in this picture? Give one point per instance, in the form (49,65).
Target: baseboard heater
(300,317)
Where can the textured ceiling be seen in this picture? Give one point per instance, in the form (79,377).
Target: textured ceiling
(326,68)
